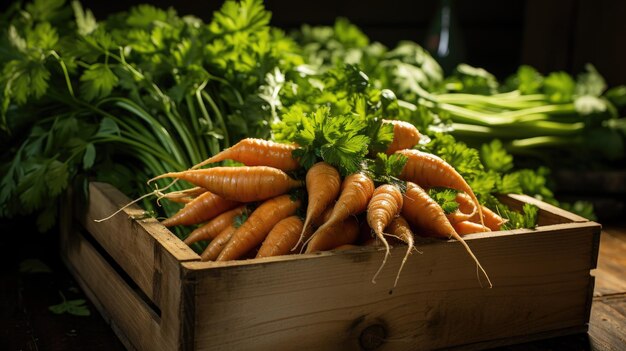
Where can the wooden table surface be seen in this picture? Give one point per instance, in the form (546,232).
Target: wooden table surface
(27,324)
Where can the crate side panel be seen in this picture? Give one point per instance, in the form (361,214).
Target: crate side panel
(540,279)
(136,245)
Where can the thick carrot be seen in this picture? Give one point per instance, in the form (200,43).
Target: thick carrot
(468,227)
(491,219)
(216,245)
(405,136)
(257,152)
(211,229)
(385,204)
(203,208)
(466,209)
(282,238)
(421,211)
(335,235)
(322,184)
(429,170)
(356,192)
(401,229)
(244,184)
(254,230)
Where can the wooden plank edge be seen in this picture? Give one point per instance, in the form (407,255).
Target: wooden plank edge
(482,345)
(187,309)
(170,242)
(547,207)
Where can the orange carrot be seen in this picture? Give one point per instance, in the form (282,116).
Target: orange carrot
(466,209)
(202,208)
(491,219)
(468,227)
(211,229)
(356,192)
(421,211)
(217,245)
(244,184)
(322,184)
(401,229)
(257,152)
(254,230)
(405,136)
(429,170)
(282,238)
(335,235)
(385,204)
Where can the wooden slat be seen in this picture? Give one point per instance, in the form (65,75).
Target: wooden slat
(611,272)
(326,301)
(137,245)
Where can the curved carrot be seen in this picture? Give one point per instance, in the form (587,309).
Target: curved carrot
(385,204)
(257,152)
(400,228)
(204,207)
(421,211)
(243,184)
(466,210)
(282,238)
(405,136)
(254,230)
(211,229)
(429,170)
(468,227)
(322,184)
(335,235)
(356,192)
(216,245)
(491,219)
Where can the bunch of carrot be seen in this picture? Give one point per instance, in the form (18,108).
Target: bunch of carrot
(252,210)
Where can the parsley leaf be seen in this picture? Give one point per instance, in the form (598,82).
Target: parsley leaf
(494,157)
(98,81)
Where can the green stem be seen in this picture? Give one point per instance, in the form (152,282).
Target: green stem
(196,126)
(521,130)
(220,117)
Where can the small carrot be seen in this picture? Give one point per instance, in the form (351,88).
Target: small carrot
(254,230)
(466,209)
(322,184)
(243,184)
(429,170)
(211,229)
(356,192)
(385,204)
(468,227)
(405,136)
(216,245)
(335,235)
(282,238)
(421,211)
(491,219)
(401,229)
(203,208)
(257,152)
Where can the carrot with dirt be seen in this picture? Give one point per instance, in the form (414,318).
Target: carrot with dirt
(255,229)
(243,184)
(429,170)
(356,191)
(405,136)
(421,211)
(400,229)
(384,206)
(283,237)
(216,245)
(257,152)
(211,229)
(323,184)
(203,208)
(334,235)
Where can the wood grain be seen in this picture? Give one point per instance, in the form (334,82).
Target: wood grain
(611,272)
(608,328)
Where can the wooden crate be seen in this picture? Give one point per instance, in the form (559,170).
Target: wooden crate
(157,295)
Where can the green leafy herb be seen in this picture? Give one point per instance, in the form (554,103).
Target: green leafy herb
(74,307)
